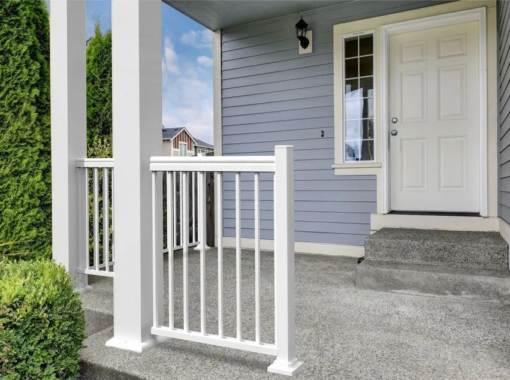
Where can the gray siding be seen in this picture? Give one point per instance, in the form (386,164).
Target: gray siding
(272,96)
(503,10)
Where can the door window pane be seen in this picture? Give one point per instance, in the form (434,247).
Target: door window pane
(351,47)
(368,108)
(366,66)
(351,68)
(354,109)
(366,45)
(359,102)
(361,150)
(367,84)
(350,88)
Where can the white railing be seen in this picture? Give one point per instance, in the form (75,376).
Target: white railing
(282,165)
(177,187)
(98,173)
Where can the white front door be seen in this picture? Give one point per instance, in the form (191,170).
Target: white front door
(434,119)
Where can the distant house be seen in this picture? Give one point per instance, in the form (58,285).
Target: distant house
(201,147)
(179,142)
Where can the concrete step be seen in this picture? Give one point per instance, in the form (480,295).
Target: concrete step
(455,249)
(96,321)
(477,284)
(94,371)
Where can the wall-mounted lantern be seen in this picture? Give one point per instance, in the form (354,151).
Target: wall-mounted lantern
(304,36)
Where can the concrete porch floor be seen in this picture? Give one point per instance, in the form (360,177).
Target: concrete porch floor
(341,332)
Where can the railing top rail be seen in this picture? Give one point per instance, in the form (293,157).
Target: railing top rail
(214,164)
(95,163)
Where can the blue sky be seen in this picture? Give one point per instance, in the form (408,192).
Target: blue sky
(186,65)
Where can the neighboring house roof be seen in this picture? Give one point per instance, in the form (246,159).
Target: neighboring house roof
(170,133)
(203,144)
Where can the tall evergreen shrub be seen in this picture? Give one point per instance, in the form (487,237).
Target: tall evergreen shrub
(99,87)
(25,166)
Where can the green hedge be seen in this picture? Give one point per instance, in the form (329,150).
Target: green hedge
(42,324)
(25,140)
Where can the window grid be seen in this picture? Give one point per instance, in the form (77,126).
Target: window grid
(361,147)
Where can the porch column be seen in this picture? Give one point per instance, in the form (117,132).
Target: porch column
(137,120)
(68,130)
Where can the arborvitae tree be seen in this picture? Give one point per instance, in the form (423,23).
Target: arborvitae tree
(25,161)
(99,87)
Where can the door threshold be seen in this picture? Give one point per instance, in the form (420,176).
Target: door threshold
(434,221)
(468,214)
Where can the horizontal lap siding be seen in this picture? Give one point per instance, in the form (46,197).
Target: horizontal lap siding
(272,96)
(503,10)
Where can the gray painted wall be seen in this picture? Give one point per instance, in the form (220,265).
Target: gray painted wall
(273,96)
(503,9)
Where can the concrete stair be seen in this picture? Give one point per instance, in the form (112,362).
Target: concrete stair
(468,264)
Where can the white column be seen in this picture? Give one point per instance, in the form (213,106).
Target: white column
(137,117)
(68,133)
(286,362)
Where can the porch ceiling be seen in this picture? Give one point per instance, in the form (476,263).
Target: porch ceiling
(220,14)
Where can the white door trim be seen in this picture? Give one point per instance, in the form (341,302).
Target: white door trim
(478,14)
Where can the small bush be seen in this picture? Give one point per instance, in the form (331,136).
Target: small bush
(42,323)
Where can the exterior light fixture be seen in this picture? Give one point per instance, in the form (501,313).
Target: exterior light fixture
(301,29)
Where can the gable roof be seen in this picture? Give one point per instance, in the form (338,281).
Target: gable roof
(203,144)
(170,133)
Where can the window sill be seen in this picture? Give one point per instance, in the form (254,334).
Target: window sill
(358,165)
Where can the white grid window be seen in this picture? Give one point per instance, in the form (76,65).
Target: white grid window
(359,98)
(183,149)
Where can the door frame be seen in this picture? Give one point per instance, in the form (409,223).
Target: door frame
(477,14)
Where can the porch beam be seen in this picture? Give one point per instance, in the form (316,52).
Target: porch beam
(137,118)
(68,131)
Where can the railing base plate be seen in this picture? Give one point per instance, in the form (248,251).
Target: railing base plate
(127,345)
(287,369)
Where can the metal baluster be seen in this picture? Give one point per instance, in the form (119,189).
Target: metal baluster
(184,242)
(219,224)
(257,256)
(87,221)
(170,245)
(238,255)
(96,219)
(106,220)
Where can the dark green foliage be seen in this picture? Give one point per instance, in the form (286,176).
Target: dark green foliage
(41,322)
(25,168)
(99,87)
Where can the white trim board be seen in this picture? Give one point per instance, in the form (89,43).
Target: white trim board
(477,14)
(301,247)
(432,222)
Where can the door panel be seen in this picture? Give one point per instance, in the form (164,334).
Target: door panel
(434,94)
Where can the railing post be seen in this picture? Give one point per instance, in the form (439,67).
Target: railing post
(202,210)
(286,362)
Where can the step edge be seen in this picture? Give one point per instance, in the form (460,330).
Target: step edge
(426,267)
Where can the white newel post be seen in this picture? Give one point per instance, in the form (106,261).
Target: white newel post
(202,210)
(68,132)
(286,362)
(137,117)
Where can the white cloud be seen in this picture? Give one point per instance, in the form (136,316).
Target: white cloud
(205,61)
(170,64)
(201,39)
(188,96)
